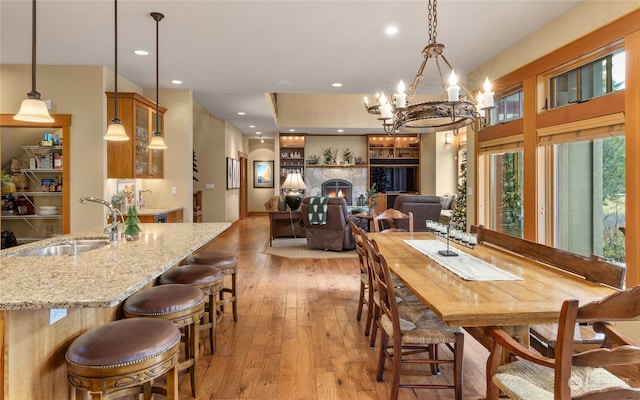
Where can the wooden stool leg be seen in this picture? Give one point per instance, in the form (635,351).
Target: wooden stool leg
(235,298)
(213,321)
(172,384)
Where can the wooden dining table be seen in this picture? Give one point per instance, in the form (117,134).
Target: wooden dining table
(513,305)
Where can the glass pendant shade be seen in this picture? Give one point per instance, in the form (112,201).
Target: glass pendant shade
(116,132)
(157,143)
(33,110)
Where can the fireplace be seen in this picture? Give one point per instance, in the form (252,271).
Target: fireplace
(337,188)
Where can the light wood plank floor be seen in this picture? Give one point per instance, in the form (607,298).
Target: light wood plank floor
(297,336)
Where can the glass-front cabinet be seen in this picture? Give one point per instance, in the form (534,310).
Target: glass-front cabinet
(133,158)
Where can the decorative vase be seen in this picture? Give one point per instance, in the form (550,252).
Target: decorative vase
(130,238)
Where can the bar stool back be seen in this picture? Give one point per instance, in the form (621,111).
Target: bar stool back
(123,358)
(208,279)
(229,264)
(181,304)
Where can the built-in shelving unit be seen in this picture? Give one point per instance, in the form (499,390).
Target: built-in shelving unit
(394,160)
(291,155)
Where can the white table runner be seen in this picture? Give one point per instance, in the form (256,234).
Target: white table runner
(464,265)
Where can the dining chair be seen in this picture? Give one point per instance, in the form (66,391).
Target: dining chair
(409,329)
(570,375)
(390,219)
(365,297)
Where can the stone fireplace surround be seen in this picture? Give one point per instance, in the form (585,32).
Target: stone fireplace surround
(316,176)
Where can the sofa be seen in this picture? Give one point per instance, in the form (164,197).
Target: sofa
(422,207)
(336,233)
(283,228)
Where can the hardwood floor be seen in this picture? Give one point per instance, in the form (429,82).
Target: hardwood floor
(297,336)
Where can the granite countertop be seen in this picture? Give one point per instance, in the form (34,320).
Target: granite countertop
(98,278)
(156,210)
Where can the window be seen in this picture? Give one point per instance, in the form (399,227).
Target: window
(605,75)
(508,107)
(589,204)
(500,185)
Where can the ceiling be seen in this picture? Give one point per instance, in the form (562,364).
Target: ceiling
(230,53)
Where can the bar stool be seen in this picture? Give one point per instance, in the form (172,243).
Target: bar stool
(208,279)
(229,264)
(123,358)
(181,304)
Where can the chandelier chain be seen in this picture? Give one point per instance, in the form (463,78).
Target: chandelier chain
(432,21)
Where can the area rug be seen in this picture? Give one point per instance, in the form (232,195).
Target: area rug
(297,248)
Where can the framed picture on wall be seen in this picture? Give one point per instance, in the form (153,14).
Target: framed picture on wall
(263,174)
(230,165)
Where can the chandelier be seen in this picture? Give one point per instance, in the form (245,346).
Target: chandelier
(397,110)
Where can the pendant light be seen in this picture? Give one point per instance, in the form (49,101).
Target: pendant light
(33,109)
(115,130)
(157,142)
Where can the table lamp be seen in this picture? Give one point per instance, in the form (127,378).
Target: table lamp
(294,183)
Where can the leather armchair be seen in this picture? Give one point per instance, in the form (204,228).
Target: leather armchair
(336,233)
(422,207)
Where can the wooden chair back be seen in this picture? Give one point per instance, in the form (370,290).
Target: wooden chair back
(617,349)
(382,283)
(593,268)
(392,215)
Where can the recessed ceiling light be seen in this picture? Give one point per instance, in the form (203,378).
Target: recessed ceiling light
(258,133)
(177,82)
(391,30)
(252,126)
(142,52)
(292,130)
(336,84)
(242,113)
(340,130)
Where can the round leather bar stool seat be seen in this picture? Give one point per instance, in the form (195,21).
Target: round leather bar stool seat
(181,304)
(229,264)
(208,279)
(123,357)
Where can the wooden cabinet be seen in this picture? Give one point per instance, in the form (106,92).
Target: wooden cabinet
(291,155)
(175,216)
(132,158)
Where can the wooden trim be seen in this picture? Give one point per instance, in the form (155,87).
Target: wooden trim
(530,162)
(59,121)
(501,130)
(632,137)
(612,103)
(591,123)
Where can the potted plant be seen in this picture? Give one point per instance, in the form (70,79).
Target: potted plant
(313,159)
(118,201)
(132,228)
(330,156)
(347,156)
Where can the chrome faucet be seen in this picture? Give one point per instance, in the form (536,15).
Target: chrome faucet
(140,199)
(112,229)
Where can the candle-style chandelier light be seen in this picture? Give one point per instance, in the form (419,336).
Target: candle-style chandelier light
(397,111)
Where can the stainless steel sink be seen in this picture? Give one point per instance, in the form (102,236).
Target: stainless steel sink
(69,247)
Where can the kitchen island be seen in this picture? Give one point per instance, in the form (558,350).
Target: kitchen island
(88,287)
